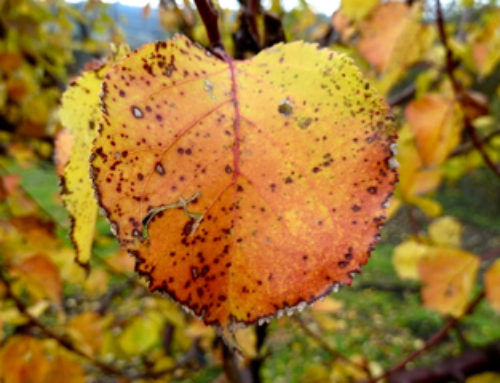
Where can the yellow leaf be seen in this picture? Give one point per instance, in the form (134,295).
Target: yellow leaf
(97,282)
(328,305)
(485,377)
(315,373)
(141,334)
(492,285)
(429,206)
(246,340)
(406,258)
(86,331)
(445,231)
(80,114)
(357,9)
(448,276)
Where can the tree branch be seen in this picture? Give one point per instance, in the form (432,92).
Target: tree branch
(253,9)
(209,17)
(435,339)
(458,368)
(458,90)
(467,147)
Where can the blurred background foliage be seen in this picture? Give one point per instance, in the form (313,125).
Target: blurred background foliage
(434,276)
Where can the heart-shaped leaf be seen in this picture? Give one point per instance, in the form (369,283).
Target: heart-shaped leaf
(243,187)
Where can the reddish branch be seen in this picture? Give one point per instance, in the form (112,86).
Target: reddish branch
(253,9)
(434,340)
(209,17)
(469,363)
(459,91)
(462,149)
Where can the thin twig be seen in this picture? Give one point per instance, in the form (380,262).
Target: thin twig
(435,339)
(467,147)
(404,96)
(333,353)
(458,90)
(456,368)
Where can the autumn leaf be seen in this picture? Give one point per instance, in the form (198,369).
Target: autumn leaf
(63,370)
(448,276)
(446,231)
(492,285)
(86,330)
(63,147)
(357,9)
(437,123)
(485,377)
(407,257)
(13,357)
(25,359)
(415,179)
(386,32)
(42,275)
(261,184)
(80,113)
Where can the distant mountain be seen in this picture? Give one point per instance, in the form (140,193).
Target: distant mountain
(138,30)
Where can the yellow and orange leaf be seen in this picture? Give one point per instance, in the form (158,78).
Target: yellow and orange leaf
(22,359)
(261,184)
(386,32)
(492,285)
(436,123)
(63,146)
(40,273)
(86,330)
(448,276)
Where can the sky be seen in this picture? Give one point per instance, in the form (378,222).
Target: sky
(324,6)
